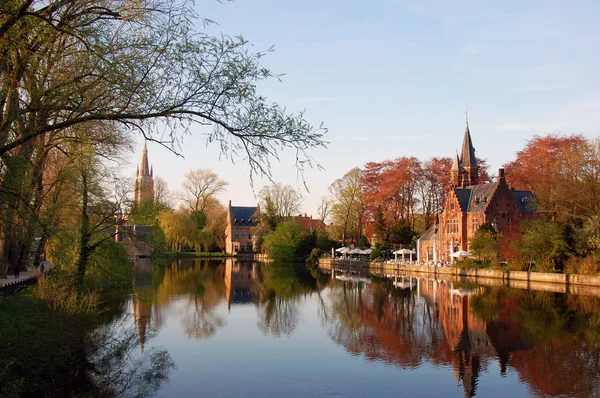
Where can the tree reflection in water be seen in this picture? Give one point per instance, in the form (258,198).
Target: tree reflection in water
(201,285)
(550,339)
(282,284)
(118,370)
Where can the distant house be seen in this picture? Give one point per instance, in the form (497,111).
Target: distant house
(309,223)
(469,205)
(238,233)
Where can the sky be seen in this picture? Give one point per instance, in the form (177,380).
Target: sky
(391,79)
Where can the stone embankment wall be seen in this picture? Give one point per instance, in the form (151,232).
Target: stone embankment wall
(562,283)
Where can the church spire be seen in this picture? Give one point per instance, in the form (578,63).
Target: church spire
(455,163)
(144,169)
(467,156)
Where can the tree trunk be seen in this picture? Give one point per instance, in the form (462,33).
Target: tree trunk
(84,238)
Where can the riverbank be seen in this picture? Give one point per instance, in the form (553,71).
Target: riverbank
(43,350)
(562,283)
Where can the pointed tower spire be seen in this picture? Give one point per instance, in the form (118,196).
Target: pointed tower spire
(455,163)
(144,169)
(467,157)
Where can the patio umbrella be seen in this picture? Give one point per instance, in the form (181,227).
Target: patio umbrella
(403,252)
(460,254)
(354,251)
(366,251)
(342,250)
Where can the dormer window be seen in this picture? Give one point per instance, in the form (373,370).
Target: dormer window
(451,205)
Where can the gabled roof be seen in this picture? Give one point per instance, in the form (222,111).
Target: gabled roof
(525,201)
(481,194)
(475,198)
(463,194)
(243,215)
(430,234)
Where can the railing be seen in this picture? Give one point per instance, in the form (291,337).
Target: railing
(12,287)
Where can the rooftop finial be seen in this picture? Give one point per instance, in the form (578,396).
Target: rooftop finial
(467,113)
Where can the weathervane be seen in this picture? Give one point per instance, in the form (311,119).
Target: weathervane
(467,114)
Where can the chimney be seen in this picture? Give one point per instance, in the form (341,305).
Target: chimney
(501,177)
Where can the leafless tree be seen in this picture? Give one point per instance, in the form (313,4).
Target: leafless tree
(283,200)
(199,187)
(162,194)
(325,206)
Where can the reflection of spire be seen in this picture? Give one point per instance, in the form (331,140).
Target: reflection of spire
(142,313)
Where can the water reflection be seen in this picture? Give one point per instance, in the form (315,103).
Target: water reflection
(550,340)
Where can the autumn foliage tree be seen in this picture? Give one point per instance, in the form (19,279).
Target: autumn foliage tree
(550,167)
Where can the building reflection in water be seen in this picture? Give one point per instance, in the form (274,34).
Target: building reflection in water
(239,280)
(142,298)
(402,321)
(406,321)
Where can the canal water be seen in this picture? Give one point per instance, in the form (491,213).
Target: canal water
(235,329)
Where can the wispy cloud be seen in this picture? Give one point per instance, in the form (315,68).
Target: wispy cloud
(533,89)
(471,49)
(388,138)
(532,128)
(315,99)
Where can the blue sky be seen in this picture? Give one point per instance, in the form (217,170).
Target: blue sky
(391,78)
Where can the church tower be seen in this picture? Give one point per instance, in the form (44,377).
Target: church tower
(468,160)
(144,183)
(465,171)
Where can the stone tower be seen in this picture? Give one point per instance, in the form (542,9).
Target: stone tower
(465,171)
(144,183)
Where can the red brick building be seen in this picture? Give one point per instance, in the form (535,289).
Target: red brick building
(309,223)
(470,204)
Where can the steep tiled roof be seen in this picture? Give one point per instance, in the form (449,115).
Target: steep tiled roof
(475,198)
(481,194)
(243,215)
(525,201)
(430,234)
(463,194)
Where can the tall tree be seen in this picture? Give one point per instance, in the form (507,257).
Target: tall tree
(66,64)
(545,166)
(79,62)
(283,200)
(199,187)
(349,208)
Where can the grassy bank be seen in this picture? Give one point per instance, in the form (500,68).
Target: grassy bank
(43,351)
